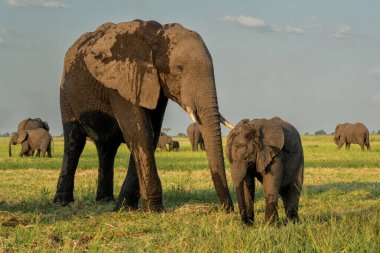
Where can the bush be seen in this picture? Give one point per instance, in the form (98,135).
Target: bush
(320,132)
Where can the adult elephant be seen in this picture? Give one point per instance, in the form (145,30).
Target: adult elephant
(195,136)
(348,133)
(115,87)
(30,124)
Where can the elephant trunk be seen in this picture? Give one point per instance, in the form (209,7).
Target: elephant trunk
(241,202)
(245,201)
(208,113)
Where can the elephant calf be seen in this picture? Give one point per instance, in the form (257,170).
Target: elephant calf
(37,139)
(271,151)
(174,146)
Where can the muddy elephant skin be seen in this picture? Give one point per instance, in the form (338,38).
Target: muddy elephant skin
(115,87)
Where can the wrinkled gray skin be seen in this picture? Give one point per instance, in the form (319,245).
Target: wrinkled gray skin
(115,87)
(37,139)
(270,151)
(28,124)
(348,134)
(174,146)
(195,137)
(164,142)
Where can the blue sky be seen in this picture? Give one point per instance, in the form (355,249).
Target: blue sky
(313,63)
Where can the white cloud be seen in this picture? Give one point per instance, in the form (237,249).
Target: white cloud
(12,39)
(246,21)
(289,29)
(375,72)
(341,32)
(39,3)
(261,25)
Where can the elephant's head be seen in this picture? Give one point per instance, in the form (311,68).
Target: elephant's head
(251,145)
(17,138)
(143,60)
(338,133)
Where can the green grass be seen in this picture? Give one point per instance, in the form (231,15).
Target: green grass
(340,206)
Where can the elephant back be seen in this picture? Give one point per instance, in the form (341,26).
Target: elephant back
(30,124)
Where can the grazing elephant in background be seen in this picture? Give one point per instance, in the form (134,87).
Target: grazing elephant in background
(163,141)
(195,136)
(348,133)
(115,87)
(271,151)
(174,146)
(37,139)
(29,124)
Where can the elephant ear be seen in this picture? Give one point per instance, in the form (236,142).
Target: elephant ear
(271,140)
(22,136)
(122,59)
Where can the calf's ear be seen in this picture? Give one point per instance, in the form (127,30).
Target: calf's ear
(271,141)
(22,136)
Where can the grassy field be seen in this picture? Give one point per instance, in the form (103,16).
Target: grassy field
(339,208)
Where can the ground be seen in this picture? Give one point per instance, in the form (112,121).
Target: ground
(339,207)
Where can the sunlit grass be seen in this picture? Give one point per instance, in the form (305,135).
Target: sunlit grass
(339,208)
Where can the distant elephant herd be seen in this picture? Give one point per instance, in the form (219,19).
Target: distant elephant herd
(115,87)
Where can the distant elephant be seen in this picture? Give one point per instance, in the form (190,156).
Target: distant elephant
(174,146)
(348,133)
(195,137)
(37,139)
(164,142)
(115,87)
(29,124)
(271,151)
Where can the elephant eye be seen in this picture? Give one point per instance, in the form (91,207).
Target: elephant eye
(179,68)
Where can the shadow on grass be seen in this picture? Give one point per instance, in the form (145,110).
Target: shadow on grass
(372,187)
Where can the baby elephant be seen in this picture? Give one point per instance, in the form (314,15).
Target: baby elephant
(37,139)
(271,151)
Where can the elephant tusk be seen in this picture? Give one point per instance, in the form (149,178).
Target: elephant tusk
(225,122)
(190,111)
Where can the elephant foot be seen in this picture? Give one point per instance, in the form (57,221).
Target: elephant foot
(63,199)
(150,206)
(125,204)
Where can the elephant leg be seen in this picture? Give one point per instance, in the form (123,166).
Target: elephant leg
(130,191)
(49,151)
(142,145)
(43,152)
(271,183)
(74,141)
(348,145)
(106,155)
(290,196)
